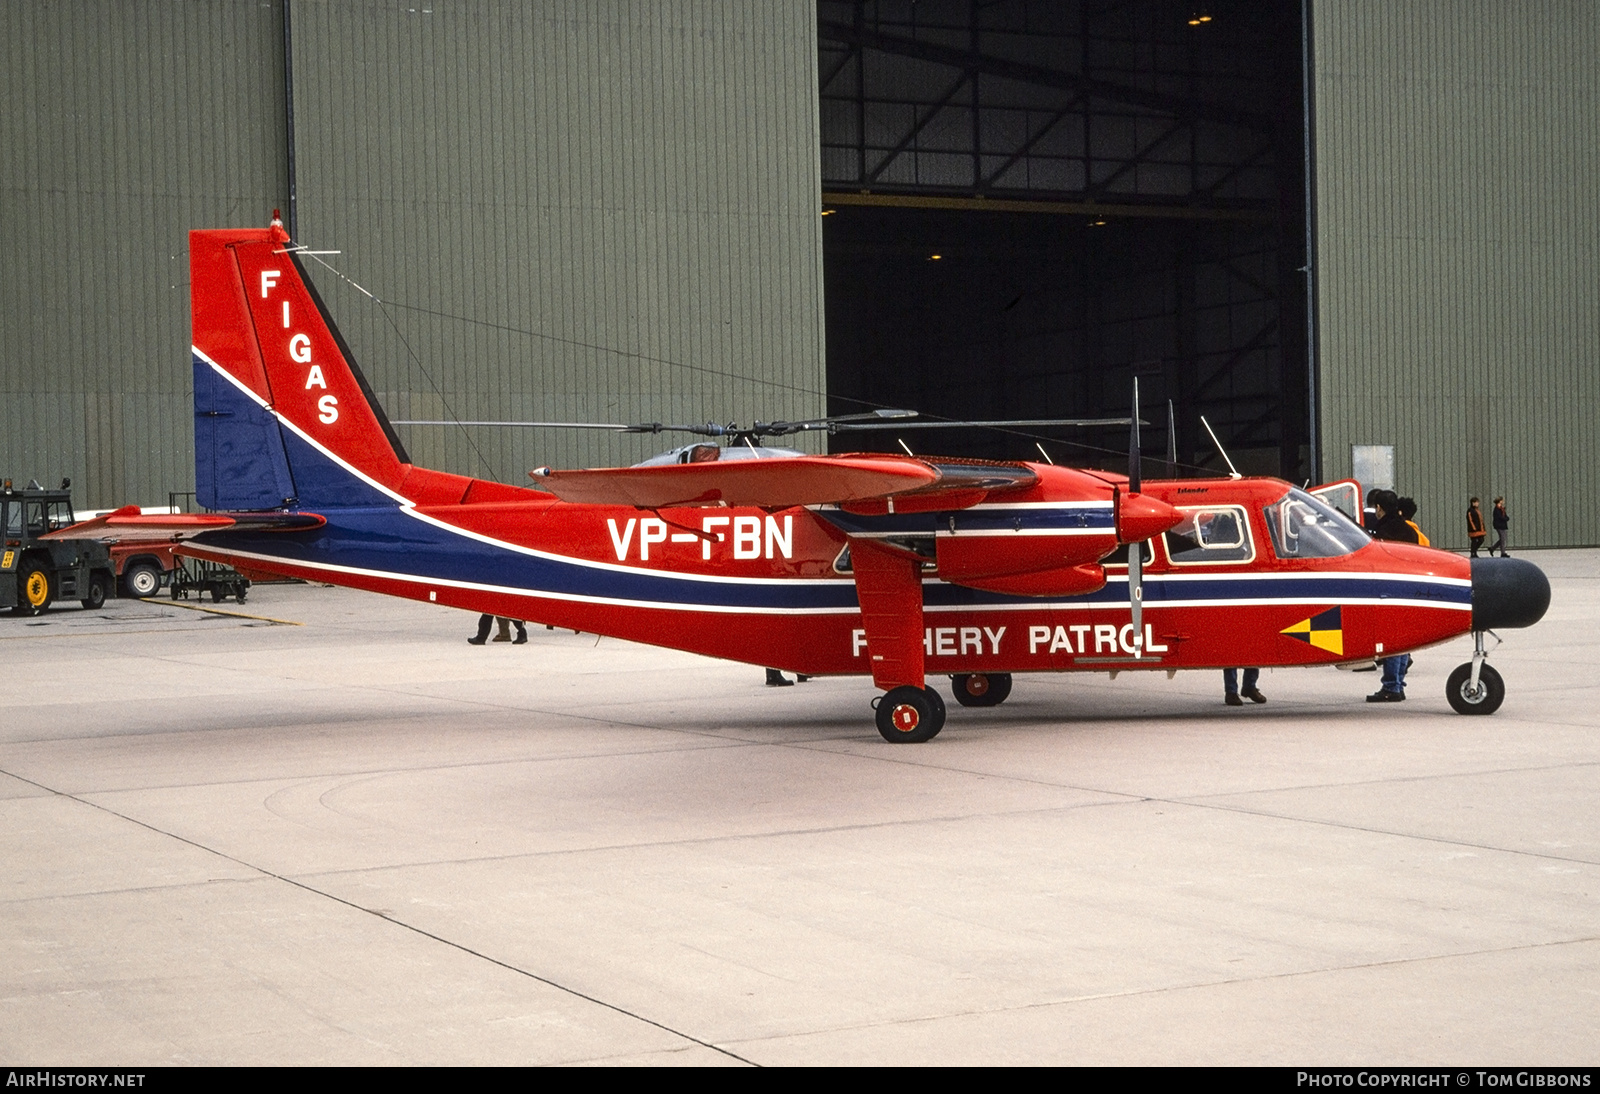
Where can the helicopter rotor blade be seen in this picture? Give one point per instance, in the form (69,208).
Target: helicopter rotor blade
(707,430)
(998,424)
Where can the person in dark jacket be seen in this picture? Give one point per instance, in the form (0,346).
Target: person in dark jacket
(1502,522)
(1392,526)
(1475,531)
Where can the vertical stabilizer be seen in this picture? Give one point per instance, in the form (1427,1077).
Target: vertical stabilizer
(282,415)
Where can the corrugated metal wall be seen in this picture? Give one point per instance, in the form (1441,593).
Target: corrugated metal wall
(1458,250)
(604,210)
(608,208)
(121,127)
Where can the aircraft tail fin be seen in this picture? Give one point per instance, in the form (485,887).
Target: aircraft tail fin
(283,416)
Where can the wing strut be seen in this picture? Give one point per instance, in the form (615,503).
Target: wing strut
(889,587)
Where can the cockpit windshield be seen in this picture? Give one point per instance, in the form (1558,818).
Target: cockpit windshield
(1304,527)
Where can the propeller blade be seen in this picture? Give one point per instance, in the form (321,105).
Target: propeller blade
(1136,595)
(1133,442)
(1135,550)
(1172,444)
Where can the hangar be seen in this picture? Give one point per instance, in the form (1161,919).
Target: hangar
(1327,226)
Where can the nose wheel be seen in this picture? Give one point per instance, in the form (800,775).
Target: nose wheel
(1475,688)
(908,715)
(1485,698)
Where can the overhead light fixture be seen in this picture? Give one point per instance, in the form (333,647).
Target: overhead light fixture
(1097,224)
(934,258)
(829,212)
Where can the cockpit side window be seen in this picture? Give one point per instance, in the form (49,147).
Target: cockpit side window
(1216,533)
(1305,527)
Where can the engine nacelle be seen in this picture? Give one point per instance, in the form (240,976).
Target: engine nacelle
(1066,581)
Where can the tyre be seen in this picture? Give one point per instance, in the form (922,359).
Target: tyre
(99,585)
(909,715)
(142,579)
(1486,700)
(981,689)
(36,588)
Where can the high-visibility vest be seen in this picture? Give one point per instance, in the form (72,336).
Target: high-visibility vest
(1422,539)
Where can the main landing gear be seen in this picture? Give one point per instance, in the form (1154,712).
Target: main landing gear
(981,689)
(909,715)
(1475,688)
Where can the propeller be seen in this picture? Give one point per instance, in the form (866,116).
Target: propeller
(1172,445)
(1135,550)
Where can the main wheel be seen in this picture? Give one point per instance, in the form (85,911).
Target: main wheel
(97,593)
(1486,700)
(37,588)
(981,689)
(909,715)
(142,579)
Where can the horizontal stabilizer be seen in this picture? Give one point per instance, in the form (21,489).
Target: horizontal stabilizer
(771,484)
(128,525)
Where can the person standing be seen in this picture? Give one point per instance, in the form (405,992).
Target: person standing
(1502,522)
(1475,530)
(1408,513)
(1230,687)
(1393,527)
(485,621)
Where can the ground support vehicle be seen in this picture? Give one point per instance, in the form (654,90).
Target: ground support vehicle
(143,567)
(34,573)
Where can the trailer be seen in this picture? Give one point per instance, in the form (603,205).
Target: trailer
(197,576)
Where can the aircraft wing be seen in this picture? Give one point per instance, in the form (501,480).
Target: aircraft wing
(128,525)
(771,484)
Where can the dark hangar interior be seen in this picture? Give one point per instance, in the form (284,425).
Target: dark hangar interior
(1027,203)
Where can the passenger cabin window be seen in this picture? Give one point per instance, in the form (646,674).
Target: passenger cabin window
(1304,527)
(1216,533)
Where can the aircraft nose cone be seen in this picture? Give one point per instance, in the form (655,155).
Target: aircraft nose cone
(1507,592)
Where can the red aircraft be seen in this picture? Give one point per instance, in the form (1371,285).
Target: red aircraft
(896,567)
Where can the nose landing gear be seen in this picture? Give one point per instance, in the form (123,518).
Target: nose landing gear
(1475,688)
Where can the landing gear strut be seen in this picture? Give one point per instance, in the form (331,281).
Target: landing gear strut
(910,715)
(1475,688)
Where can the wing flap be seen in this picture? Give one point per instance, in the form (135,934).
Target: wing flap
(771,484)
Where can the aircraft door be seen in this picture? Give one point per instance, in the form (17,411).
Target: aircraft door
(1344,495)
